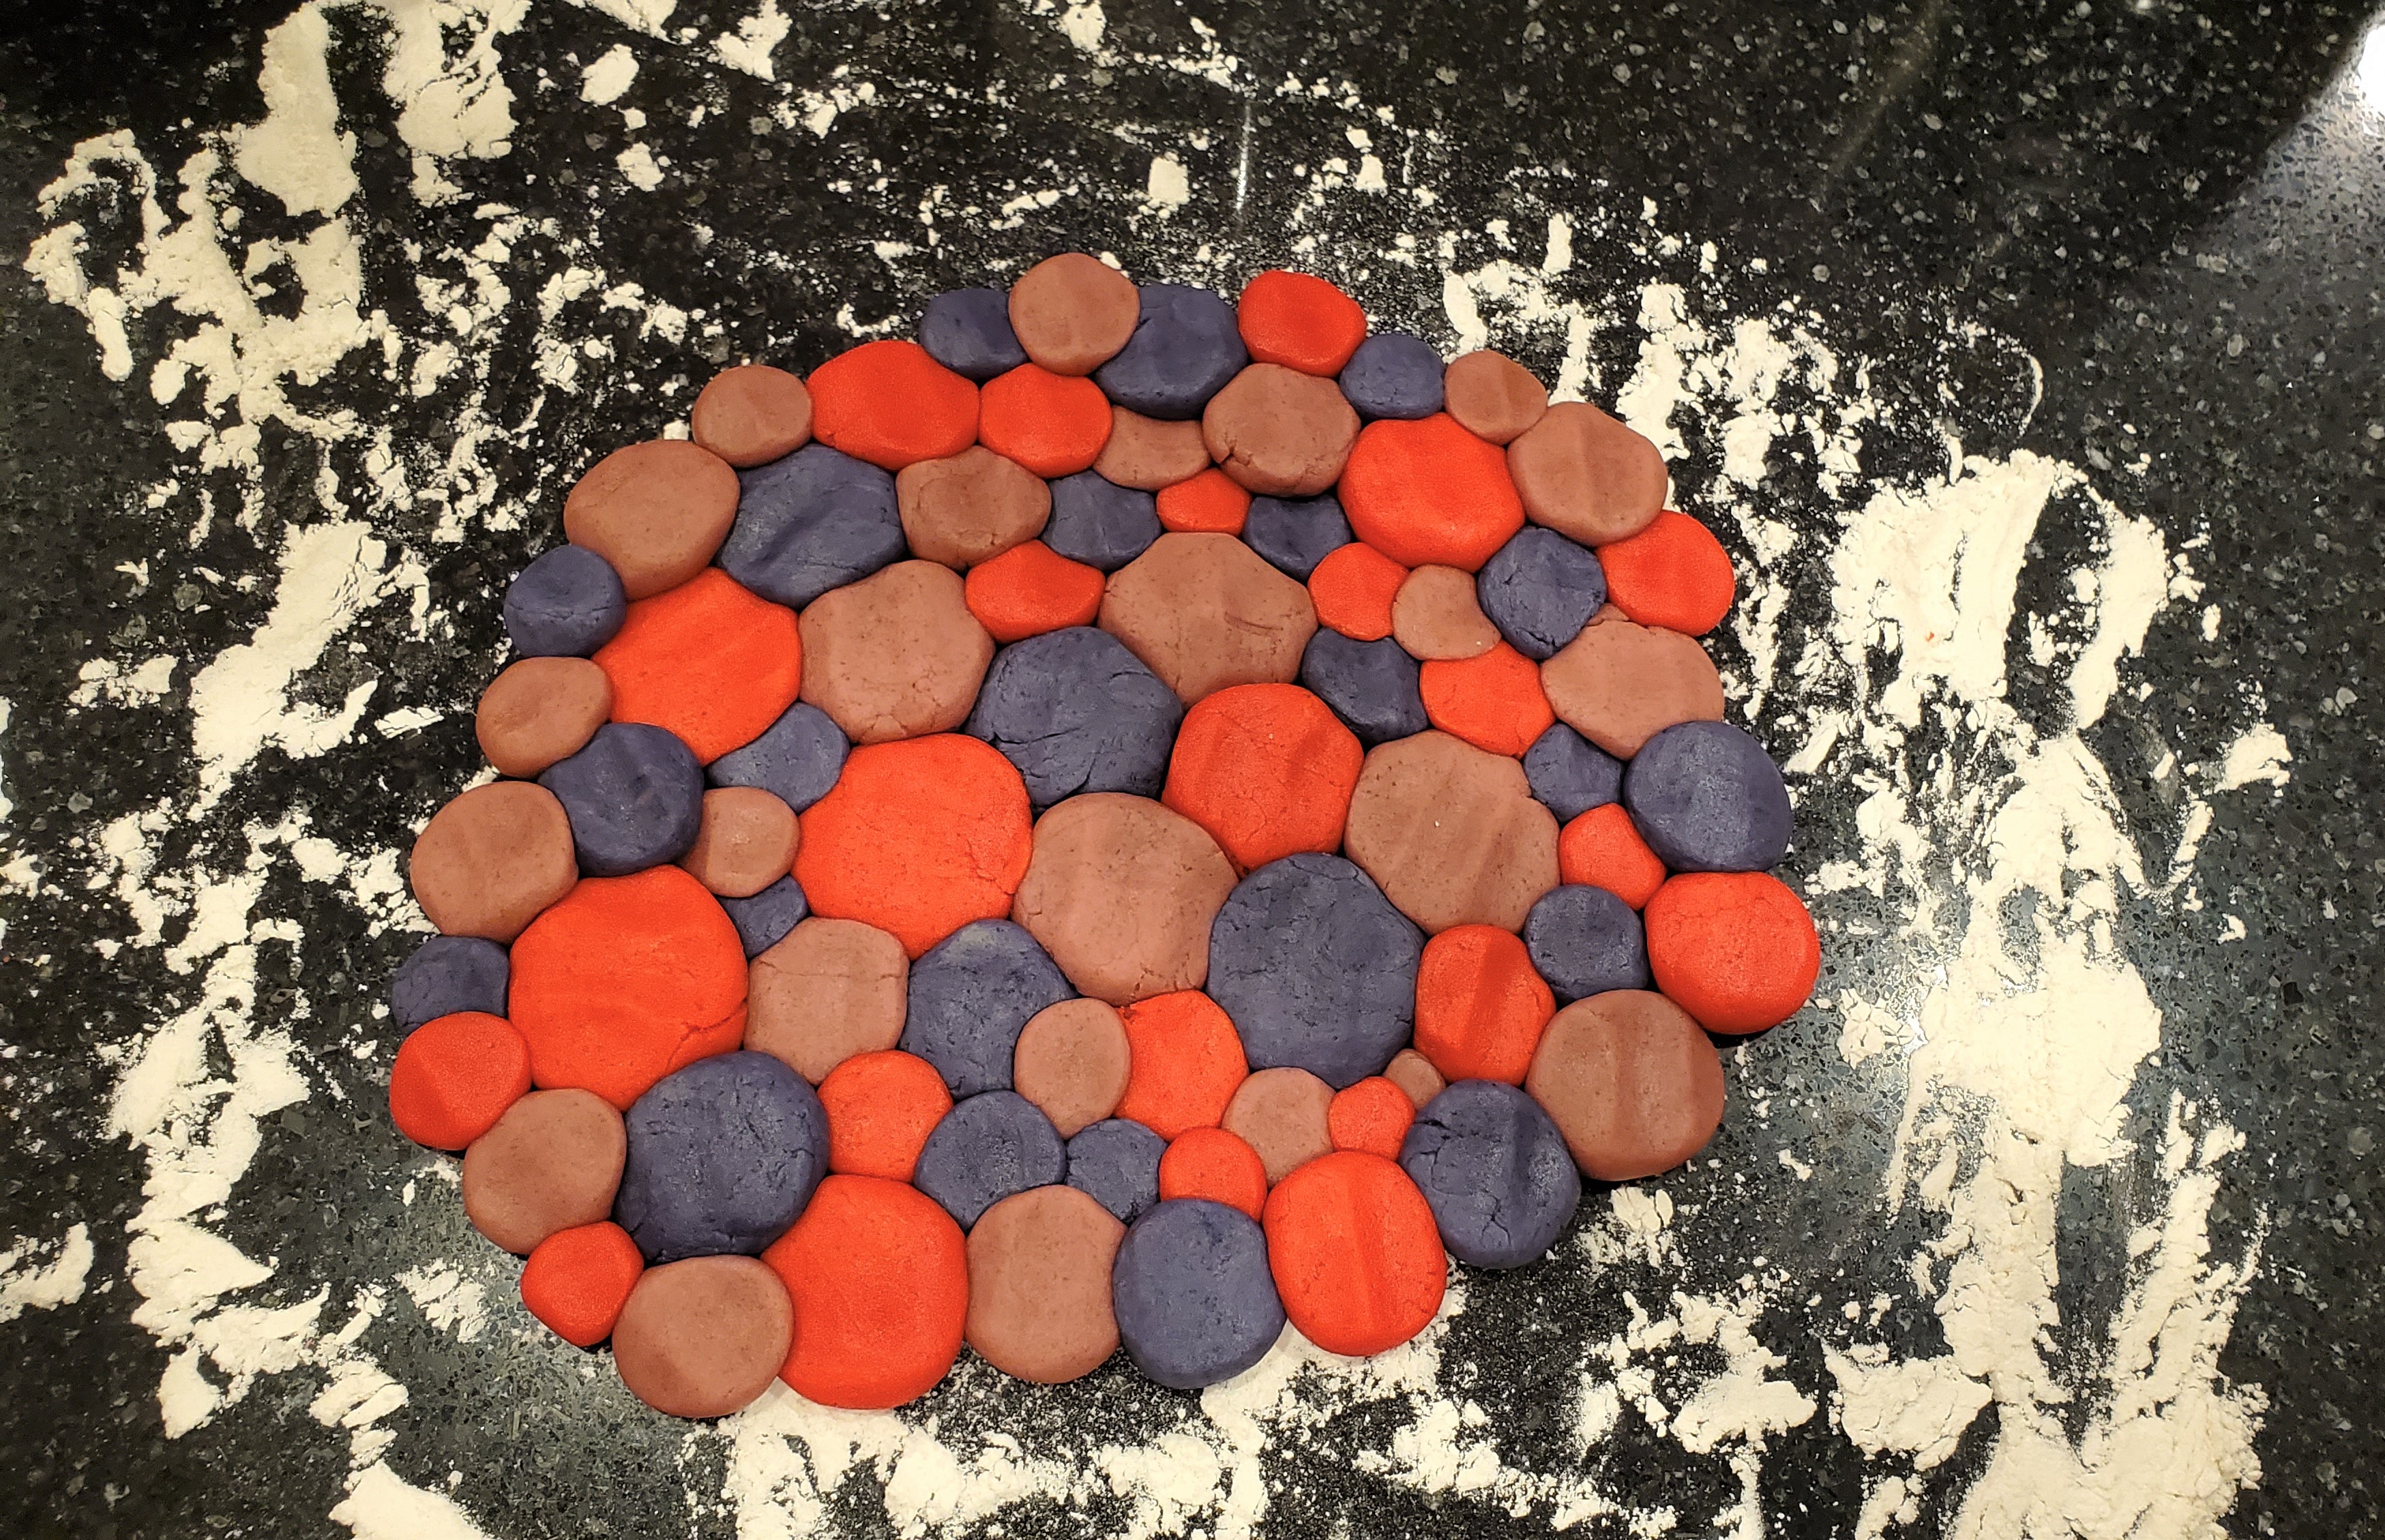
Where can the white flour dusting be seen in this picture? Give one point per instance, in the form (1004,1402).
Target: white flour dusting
(2005,1000)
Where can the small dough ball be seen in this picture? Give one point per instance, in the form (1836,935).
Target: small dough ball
(1436,617)
(832,989)
(1072,1062)
(704,1337)
(897,654)
(1619,684)
(1121,891)
(1039,1275)
(1280,432)
(1072,312)
(656,511)
(540,710)
(1450,834)
(1148,455)
(745,842)
(970,507)
(1587,476)
(1204,611)
(1280,1113)
(552,1163)
(752,414)
(1630,1081)
(1492,396)
(488,862)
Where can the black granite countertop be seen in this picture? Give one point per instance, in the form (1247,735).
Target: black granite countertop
(2124,253)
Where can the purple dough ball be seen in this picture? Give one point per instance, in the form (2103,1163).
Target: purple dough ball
(1185,347)
(1540,589)
(1194,1301)
(1585,941)
(1116,1162)
(764,919)
(566,604)
(1099,523)
(986,1148)
(1707,797)
(814,520)
(1296,533)
(634,795)
(1077,712)
(797,759)
(1374,687)
(447,974)
(970,994)
(723,1156)
(1496,1171)
(1316,968)
(1570,774)
(1393,374)
(968,330)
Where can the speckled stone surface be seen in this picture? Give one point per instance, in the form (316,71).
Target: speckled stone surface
(2171,210)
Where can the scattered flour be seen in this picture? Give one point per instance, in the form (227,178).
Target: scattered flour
(2018,1026)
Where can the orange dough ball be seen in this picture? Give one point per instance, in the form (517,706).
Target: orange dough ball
(1053,424)
(1211,503)
(576,1281)
(1674,573)
(1495,702)
(917,837)
(1429,494)
(888,403)
(1031,589)
(1188,1061)
(1353,589)
(1735,949)
(879,1275)
(1268,769)
(710,660)
(1481,1005)
(626,979)
(1300,321)
(1372,1116)
(454,1077)
(1212,1163)
(1354,1250)
(1602,849)
(880,1107)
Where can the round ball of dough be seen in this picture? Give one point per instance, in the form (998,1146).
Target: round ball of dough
(488,862)
(1121,891)
(897,654)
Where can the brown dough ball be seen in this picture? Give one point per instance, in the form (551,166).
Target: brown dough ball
(1039,1277)
(552,1163)
(657,511)
(1204,611)
(1492,396)
(746,842)
(970,507)
(897,654)
(1618,684)
(540,711)
(1072,312)
(1450,834)
(704,1337)
(1121,891)
(1280,432)
(1587,476)
(1435,615)
(1630,1081)
(1072,1061)
(488,862)
(1145,453)
(831,989)
(752,414)
(1413,1074)
(1280,1113)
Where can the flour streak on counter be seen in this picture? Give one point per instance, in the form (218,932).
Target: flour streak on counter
(2002,1014)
